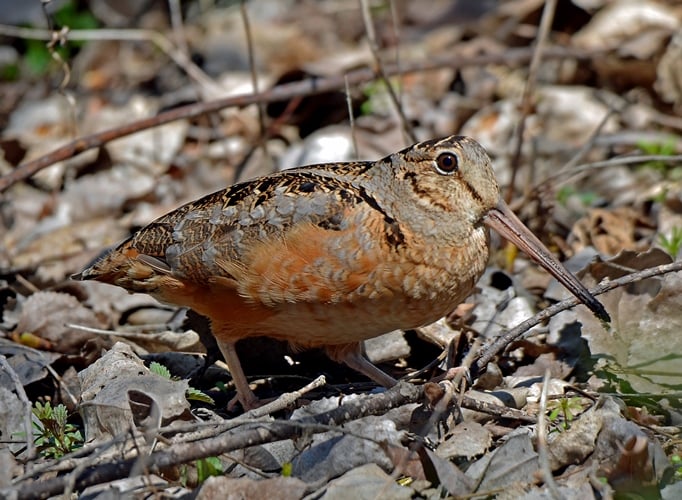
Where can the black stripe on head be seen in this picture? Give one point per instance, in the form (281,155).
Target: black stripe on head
(474,194)
(422,193)
(394,234)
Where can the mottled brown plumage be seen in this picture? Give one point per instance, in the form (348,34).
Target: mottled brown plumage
(330,255)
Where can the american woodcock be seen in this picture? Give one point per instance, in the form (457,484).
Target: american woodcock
(330,255)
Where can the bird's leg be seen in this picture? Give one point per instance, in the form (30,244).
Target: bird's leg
(244,393)
(351,355)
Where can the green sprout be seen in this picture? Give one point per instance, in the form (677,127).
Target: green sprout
(676,461)
(587,198)
(54,436)
(191,394)
(207,467)
(666,148)
(564,409)
(673,243)
(37,58)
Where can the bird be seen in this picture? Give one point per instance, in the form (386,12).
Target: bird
(333,254)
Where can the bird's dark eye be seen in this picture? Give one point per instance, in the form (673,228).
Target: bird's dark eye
(447,163)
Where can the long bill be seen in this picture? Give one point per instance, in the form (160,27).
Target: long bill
(503,220)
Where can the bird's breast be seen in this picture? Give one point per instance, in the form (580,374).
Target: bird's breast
(333,290)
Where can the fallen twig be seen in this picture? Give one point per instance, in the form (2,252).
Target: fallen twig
(241,437)
(500,343)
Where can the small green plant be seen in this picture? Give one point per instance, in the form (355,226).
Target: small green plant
(191,394)
(676,460)
(54,436)
(587,198)
(159,369)
(37,58)
(377,98)
(666,148)
(207,467)
(673,243)
(563,411)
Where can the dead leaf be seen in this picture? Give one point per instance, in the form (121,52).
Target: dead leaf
(514,462)
(364,482)
(242,488)
(467,440)
(46,314)
(669,72)
(29,364)
(107,408)
(643,341)
(628,456)
(446,473)
(610,230)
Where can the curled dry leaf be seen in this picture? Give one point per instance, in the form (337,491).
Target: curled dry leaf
(669,72)
(30,365)
(638,32)
(43,125)
(371,439)
(46,314)
(332,454)
(119,382)
(620,449)
(626,454)
(153,149)
(388,347)
(501,303)
(468,439)
(611,230)
(578,442)
(563,117)
(448,475)
(333,143)
(13,411)
(166,340)
(617,24)
(440,333)
(58,252)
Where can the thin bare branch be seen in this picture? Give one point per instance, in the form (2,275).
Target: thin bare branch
(129,35)
(501,342)
(541,433)
(244,436)
(254,74)
(279,93)
(612,162)
(351,119)
(526,100)
(286,399)
(383,74)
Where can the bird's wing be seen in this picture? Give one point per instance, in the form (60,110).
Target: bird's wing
(301,235)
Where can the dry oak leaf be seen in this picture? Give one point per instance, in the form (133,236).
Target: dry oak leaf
(610,230)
